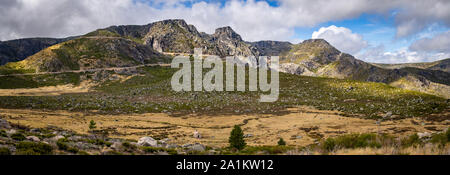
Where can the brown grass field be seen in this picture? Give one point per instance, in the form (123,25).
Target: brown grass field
(312,125)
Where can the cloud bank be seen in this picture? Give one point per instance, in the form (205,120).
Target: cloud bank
(254,20)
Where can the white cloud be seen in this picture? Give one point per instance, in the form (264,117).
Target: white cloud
(254,20)
(439,43)
(378,54)
(342,38)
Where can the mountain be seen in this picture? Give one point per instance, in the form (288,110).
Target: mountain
(88,53)
(129,45)
(316,57)
(17,50)
(176,36)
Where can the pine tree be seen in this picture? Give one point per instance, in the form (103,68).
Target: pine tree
(281,142)
(237,138)
(92,125)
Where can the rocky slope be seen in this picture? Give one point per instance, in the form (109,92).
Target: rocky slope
(318,58)
(176,36)
(17,50)
(272,48)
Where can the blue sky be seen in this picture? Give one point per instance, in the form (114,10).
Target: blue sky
(382,31)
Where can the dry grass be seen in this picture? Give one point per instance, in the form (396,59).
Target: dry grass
(84,87)
(428,149)
(309,123)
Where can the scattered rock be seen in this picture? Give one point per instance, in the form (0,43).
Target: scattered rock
(187,145)
(378,122)
(35,130)
(75,138)
(424,135)
(171,146)
(248,135)
(11,131)
(147,141)
(56,138)
(387,115)
(197,135)
(197,147)
(33,138)
(4,124)
(116,145)
(84,146)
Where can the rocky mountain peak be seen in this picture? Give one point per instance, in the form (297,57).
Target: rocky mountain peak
(227,33)
(317,43)
(180,22)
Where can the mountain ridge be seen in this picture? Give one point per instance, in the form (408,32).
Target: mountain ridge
(133,44)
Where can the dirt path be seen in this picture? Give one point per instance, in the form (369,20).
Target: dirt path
(303,126)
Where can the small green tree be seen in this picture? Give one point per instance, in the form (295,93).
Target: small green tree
(92,125)
(281,142)
(237,138)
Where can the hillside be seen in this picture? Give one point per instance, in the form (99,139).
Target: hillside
(87,53)
(318,58)
(17,50)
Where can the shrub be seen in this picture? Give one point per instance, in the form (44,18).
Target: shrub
(92,124)
(129,146)
(5,151)
(31,148)
(353,141)
(3,133)
(412,140)
(236,139)
(442,138)
(266,149)
(152,149)
(62,145)
(99,142)
(281,142)
(84,153)
(18,137)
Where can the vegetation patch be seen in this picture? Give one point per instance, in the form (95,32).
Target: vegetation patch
(31,148)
